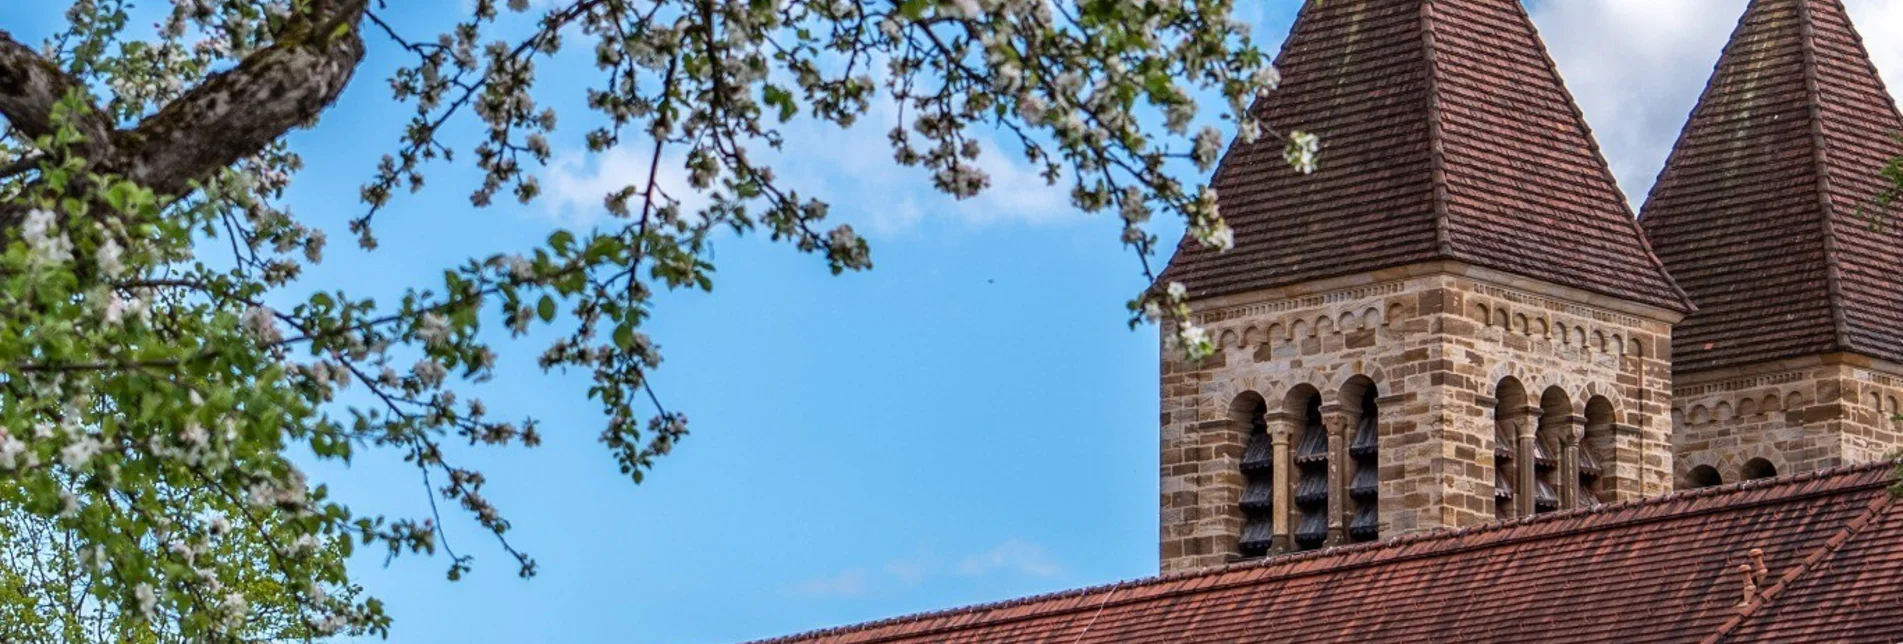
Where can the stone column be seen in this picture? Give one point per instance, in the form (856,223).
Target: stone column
(1282,426)
(1335,421)
(1525,431)
(1570,430)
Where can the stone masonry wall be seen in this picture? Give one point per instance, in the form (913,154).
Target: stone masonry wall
(1800,415)
(1434,340)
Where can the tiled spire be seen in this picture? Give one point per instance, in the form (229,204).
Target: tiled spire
(1765,212)
(1447,135)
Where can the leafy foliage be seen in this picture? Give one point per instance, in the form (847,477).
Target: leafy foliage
(154,393)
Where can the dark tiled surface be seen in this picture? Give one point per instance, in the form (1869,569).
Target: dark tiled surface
(1764,212)
(1659,570)
(1447,134)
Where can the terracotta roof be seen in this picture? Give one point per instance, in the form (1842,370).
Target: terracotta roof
(1659,570)
(1764,212)
(1447,134)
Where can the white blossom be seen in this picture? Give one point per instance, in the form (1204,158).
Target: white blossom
(1268,79)
(79,452)
(109,259)
(1301,151)
(262,322)
(433,329)
(47,244)
(1208,146)
(429,372)
(148,602)
(10,450)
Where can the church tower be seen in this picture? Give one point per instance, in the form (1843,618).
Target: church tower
(1454,321)
(1767,214)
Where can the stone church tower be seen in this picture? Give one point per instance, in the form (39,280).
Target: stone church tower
(1456,320)
(1766,214)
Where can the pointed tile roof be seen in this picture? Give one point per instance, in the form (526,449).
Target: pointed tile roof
(1658,570)
(1447,134)
(1764,211)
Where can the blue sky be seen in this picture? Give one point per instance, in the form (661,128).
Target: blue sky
(971,421)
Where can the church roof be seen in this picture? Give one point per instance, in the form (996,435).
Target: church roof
(1659,570)
(1765,212)
(1447,134)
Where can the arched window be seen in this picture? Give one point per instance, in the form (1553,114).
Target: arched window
(1364,489)
(1250,411)
(1556,410)
(1598,435)
(1704,476)
(1311,463)
(1509,398)
(1757,468)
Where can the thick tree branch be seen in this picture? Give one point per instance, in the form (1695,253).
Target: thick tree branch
(238,112)
(30,87)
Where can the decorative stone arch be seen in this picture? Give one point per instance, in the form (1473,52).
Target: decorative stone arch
(1371,318)
(1245,410)
(1579,337)
(1698,415)
(1392,314)
(1769,404)
(1229,340)
(1722,412)
(1519,324)
(1686,464)
(1745,460)
(1298,330)
(1360,482)
(1541,328)
(1312,464)
(1560,333)
(1324,325)
(1252,336)
(1254,504)
(1599,341)
(1501,318)
(1482,313)
(1229,389)
(1620,408)
(1795,400)
(1347,322)
(1511,456)
(1595,465)
(1747,407)
(1276,334)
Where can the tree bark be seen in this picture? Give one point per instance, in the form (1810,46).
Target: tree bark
(231,115)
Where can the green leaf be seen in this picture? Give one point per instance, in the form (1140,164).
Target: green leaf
(546,308)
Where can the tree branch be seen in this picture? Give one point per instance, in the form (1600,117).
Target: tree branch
(30,87)
(237,112)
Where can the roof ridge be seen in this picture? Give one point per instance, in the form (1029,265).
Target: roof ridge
(1820,151)
(1436,149)
(1824,551)
(1605,168)
(1444,534)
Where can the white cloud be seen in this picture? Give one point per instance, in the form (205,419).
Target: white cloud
(851,169)
(1637,66)
(851,583)
(1014,555)
(575,183)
